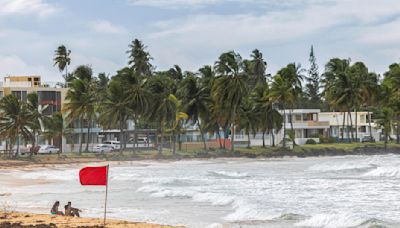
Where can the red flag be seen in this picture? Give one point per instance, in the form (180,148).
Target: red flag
(93,175)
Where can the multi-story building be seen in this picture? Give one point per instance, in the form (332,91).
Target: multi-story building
(20,86)
(362,120)
(312,124)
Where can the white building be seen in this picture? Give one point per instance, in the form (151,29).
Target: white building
(312,123)
(362,120)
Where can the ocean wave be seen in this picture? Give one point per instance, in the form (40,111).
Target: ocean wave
(291,217)
(229,174)
(332,221)
(245,211)
(346,166)
(64,175)
(384,172)
(215,199)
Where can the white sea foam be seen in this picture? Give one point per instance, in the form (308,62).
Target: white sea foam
(213,198)
(384,172)
(332,220)
(245,211)
(65,175)
(231,174)
(326,167)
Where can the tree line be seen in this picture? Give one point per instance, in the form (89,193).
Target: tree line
(233,94)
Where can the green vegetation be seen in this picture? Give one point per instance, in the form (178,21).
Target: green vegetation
(232,94)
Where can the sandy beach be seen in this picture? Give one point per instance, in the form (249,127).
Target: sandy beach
(19,219)
(16,219)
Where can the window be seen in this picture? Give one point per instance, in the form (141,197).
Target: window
(20,95)
(362,119)
(52,99)
(362,129)
(1,94)
(297,118)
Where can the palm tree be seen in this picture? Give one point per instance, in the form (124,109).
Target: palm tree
(62,60)
(269,119)
(15,120)
(139,58)
(115,110)
(176,126)
(163,106)
(370,93)
(338,87)
(292,75)
(281,94)
(229,89)
(132,93)
(246,119)
(391,83)
(56,128)
(384,120)
(81,101)
(194,97)
(36,115)
(258,68)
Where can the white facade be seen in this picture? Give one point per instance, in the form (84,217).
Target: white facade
(312,123)
(365,127)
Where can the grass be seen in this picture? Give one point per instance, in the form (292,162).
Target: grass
(255,151)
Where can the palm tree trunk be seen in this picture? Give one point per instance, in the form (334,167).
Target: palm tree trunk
(88,136)
(344,121)
(121,136)
(351,127)
(219,139)
(398,129)
(369,124)
(17,152)
(291,128)
(33,144)
(233,138)
(273,138)
(225,133)
(60,145)
(179,142)
(173,144)
(386,139)
(263,139)
(160,149)
(284,128)
(356,125)
(202,135)
(81,137)
(135,136)
(248,139)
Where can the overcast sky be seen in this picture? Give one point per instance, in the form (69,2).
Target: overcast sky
(192,33)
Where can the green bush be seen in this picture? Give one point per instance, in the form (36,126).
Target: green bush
(323,139)
(311,141)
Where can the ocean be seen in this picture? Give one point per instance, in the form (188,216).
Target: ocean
(346,191)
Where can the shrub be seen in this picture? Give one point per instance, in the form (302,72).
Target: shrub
(311,141)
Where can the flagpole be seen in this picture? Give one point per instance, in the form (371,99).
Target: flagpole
(105,201)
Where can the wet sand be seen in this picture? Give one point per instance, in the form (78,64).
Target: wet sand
(41,220)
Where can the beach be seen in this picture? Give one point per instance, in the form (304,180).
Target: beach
(340,191)
(19,219)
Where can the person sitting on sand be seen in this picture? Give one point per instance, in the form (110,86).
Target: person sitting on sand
(71,211)
(54,210)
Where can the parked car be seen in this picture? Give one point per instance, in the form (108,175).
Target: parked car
(367,138)
(48,149)
(102,148)
(115,144)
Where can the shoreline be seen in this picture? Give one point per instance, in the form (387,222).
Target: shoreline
(21,220)
(43,161)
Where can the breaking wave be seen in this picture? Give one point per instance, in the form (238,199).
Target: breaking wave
(384,172)
(229,174)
